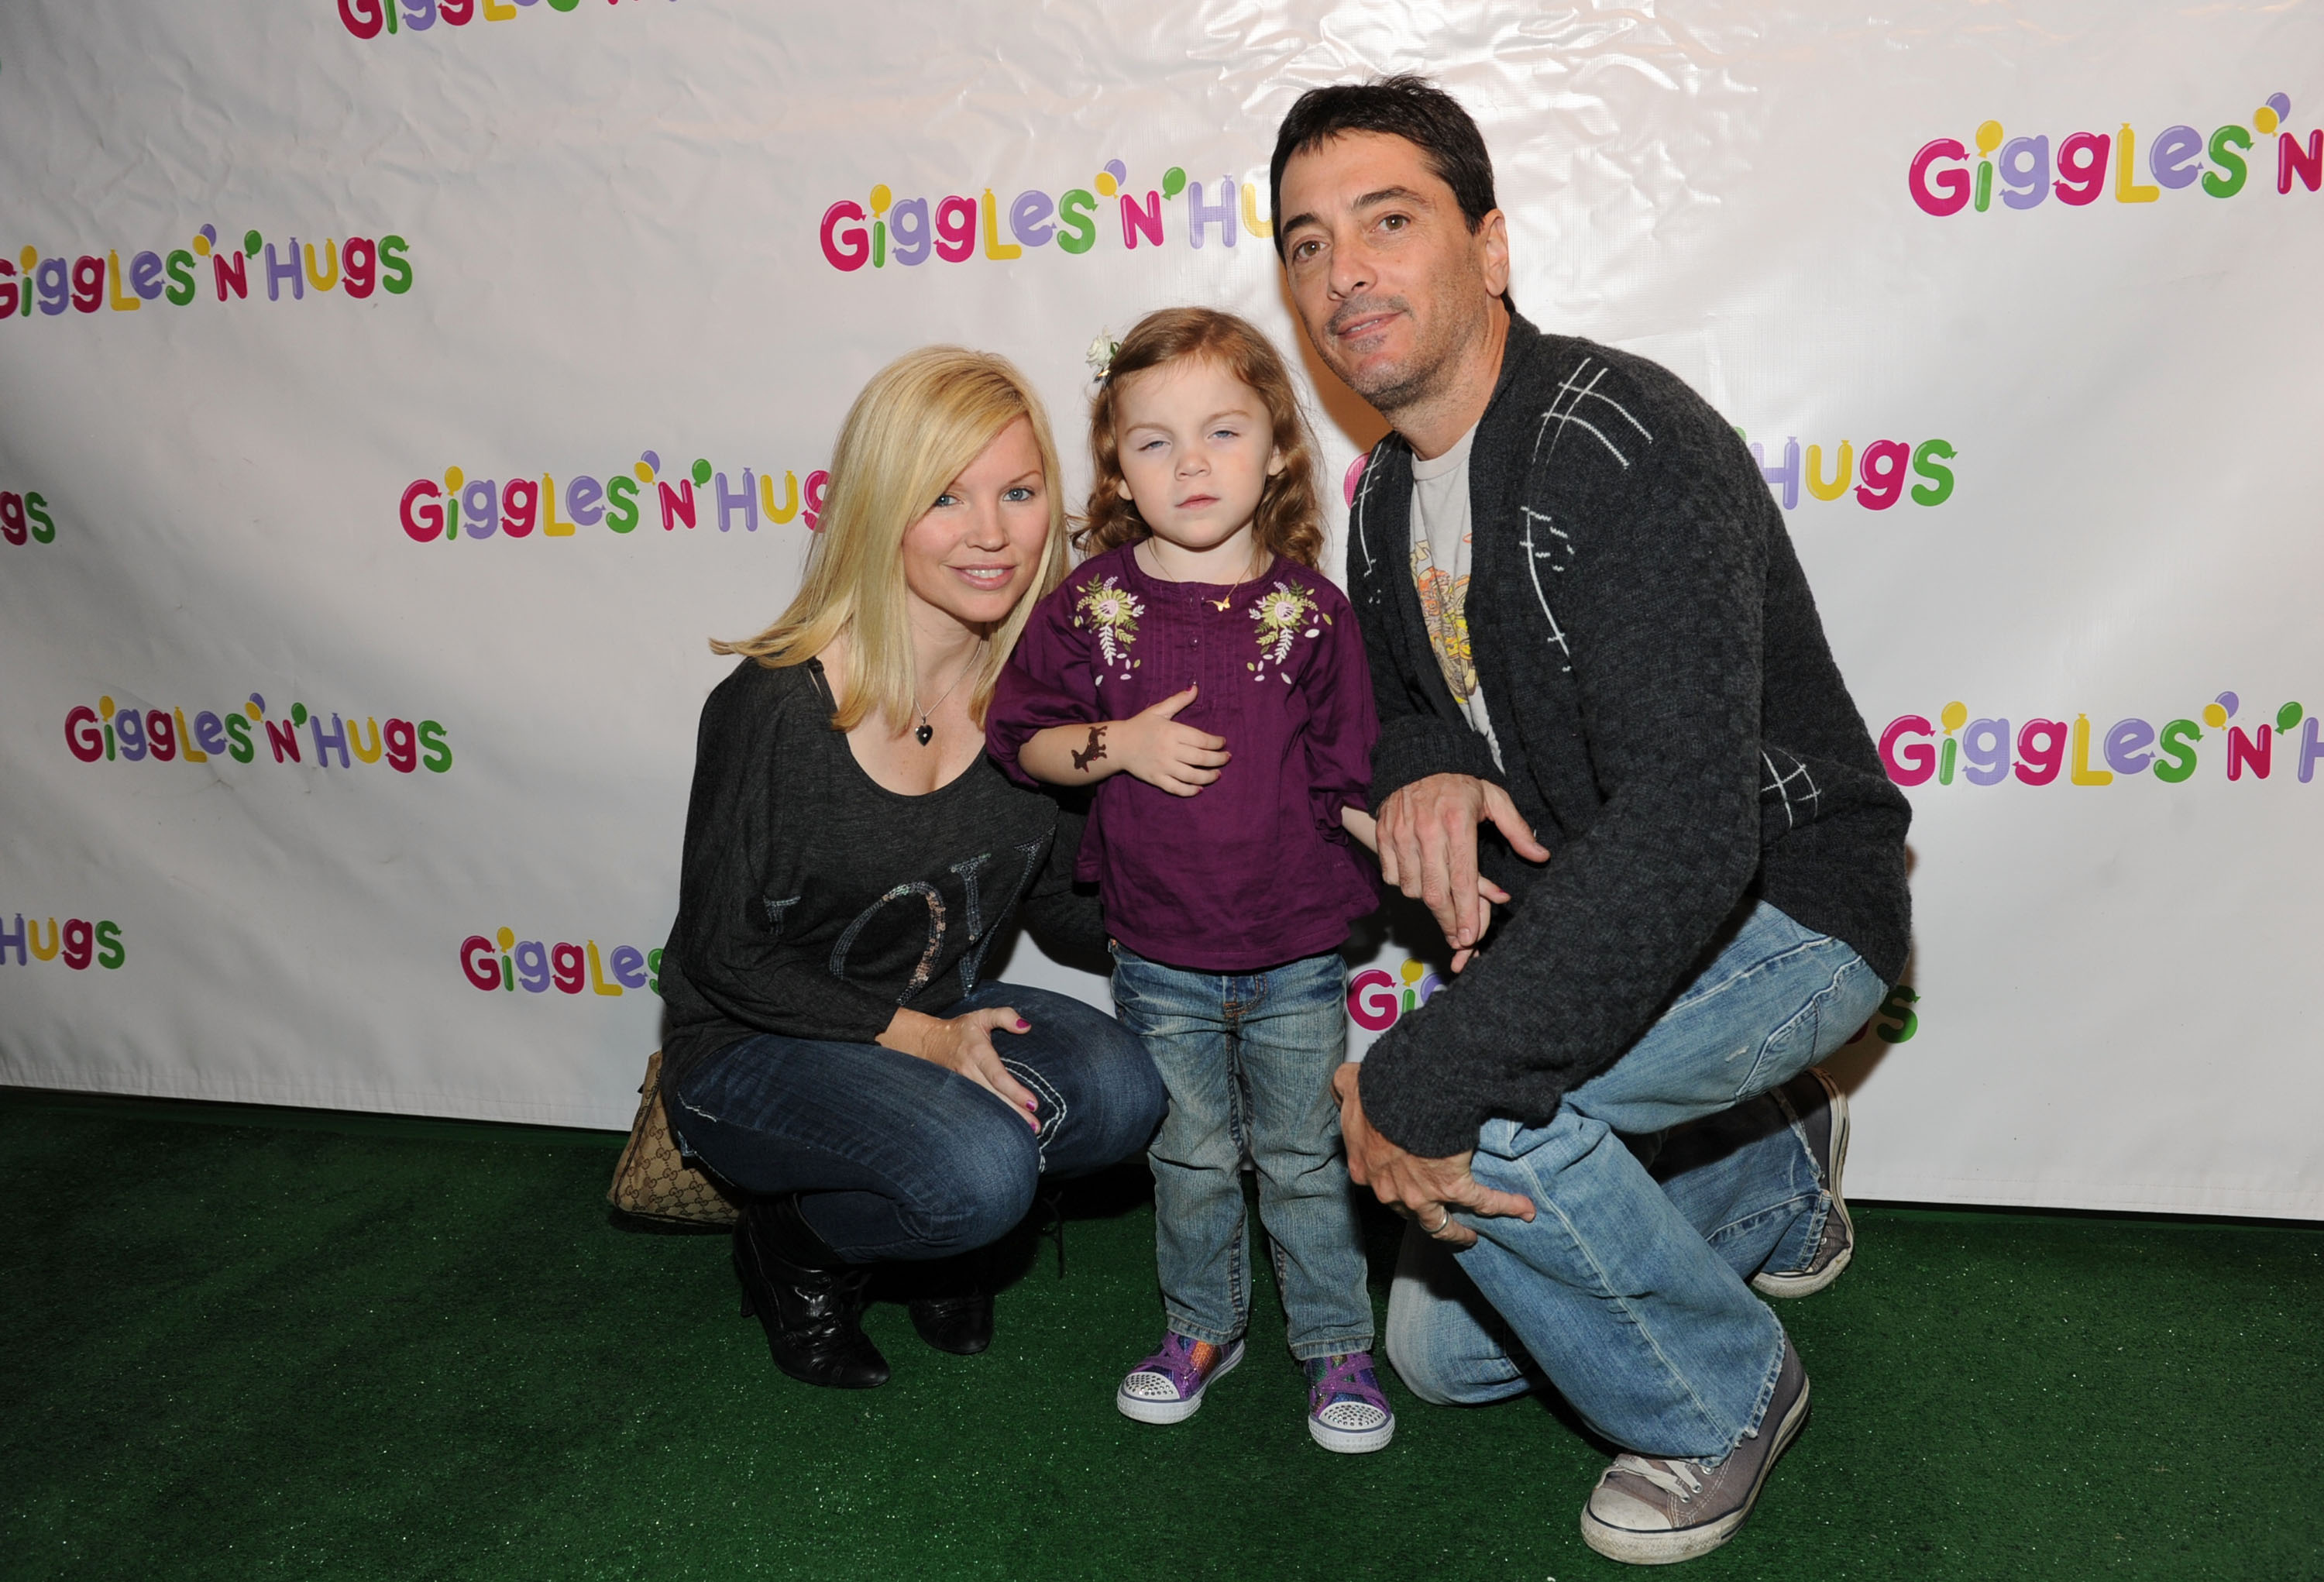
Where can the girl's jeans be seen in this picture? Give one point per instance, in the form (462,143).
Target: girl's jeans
(901,1158)
(1248,1058)
(1627,1291)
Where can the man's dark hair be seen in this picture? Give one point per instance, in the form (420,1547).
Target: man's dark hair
(1411,107)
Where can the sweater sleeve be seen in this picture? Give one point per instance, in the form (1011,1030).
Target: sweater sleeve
(1661,605)
(1048,681)
(730,909)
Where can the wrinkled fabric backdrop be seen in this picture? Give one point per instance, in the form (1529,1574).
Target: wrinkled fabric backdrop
(397,399)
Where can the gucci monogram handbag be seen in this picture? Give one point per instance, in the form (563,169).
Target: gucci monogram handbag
(654,1181)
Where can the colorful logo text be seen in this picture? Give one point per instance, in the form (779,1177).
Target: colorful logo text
(1979,751)
(165,736)
(78,942)
(1941,183)
(886,230)
(1375,997)
(94,280)
(481,508)
(503,961)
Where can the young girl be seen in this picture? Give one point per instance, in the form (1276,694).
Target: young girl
(1210,682)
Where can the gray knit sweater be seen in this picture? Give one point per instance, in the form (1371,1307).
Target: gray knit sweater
(1670,718)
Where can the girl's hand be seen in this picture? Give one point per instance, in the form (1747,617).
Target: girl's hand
(963,1044)
(1366,830)
(1176,758)
(1488,893)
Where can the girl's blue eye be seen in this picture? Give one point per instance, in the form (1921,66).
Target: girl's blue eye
(1021,492)
(945,499)
(1151,445)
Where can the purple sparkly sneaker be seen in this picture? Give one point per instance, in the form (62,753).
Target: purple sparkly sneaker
(1347,1411)
(1167,1387)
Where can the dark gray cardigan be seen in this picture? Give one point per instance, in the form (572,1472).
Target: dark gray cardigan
(1670,717)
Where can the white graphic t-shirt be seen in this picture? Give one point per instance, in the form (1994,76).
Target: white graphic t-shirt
(1440,572)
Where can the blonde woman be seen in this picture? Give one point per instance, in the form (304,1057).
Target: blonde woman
(831,1046)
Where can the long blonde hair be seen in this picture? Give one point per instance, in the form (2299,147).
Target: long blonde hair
(919,423)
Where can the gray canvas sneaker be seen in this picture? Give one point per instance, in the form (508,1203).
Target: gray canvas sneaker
(1817,1104)
(1650,1510)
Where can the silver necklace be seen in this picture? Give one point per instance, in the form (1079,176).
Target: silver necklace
(1220,604)
(924,733)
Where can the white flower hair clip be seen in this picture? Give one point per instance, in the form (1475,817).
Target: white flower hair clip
(1101,354)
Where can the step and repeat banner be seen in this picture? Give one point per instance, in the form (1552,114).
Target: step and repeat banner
(399,393)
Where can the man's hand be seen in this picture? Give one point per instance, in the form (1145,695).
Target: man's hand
(1423,1189)
(1178,758)
(1428,848)
(963,1044)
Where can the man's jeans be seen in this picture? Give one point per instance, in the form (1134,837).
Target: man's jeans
(902,1157)
(1248,1057)
(1627,1291)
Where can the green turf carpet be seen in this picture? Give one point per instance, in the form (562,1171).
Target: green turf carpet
(243,1344)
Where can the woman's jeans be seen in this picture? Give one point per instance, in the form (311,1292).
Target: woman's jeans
(898,1157)
(1248,1057)
(1627,1291)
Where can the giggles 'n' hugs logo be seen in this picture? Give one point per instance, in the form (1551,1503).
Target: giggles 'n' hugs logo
(1879,472)
(2027,171)
(1916,750)
(100,281)
(78,943)
(367,19)
(504,962)
(1377,997)
(24,518)
(886,230)
(165,736)
(461,506)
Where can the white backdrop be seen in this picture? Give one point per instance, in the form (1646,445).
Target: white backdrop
(588,241)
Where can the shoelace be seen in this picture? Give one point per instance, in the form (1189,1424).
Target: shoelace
(1346,1379)
(1672,1478)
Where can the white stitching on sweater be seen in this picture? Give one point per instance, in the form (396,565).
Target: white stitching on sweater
(1779,784)
(1579,393)
(1364,494)
(1556,633)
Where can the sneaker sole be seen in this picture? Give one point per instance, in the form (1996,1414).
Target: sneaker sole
(1633,1548)
(1352,1441)
(1809,1282)
(1139,1409)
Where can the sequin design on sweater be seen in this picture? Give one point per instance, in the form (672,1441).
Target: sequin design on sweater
(1279,619)
(1110,612)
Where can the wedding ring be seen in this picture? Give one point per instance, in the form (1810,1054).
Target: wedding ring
(1438,1228)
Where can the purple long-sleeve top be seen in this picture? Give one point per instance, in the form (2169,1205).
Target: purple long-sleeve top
(1255,869)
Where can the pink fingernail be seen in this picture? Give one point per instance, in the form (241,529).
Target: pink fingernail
(1023,1025)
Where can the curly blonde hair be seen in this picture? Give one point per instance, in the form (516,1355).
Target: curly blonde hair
(1289,520)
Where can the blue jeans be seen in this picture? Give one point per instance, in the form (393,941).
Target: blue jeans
(1248,1057)
(901,1158)
(1627,1292)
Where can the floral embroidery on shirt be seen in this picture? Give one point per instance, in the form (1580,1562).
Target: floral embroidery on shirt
(1111,612)
(1282,618)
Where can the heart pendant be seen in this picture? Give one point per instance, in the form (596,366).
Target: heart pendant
(923,733)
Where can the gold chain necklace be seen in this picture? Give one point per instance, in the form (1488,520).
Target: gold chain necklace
(1220,604)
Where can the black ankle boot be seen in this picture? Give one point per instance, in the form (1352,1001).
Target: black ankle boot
(953,1309)
(809,1301)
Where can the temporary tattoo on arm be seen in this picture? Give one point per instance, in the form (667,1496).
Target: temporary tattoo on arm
(1093,752)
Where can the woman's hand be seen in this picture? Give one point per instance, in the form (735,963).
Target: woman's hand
(963,1044)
